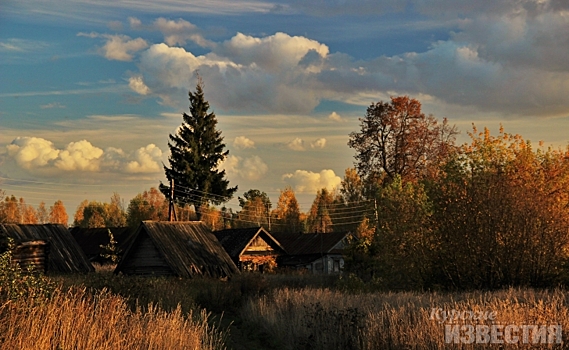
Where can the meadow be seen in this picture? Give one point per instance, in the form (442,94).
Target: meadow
(104,311)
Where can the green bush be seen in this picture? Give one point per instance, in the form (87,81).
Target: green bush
(16,283)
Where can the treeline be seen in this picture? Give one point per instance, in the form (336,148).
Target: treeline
(329,212)
(17,211)
(489,214)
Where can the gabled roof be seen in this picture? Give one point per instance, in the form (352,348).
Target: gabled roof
(65,255)
(189,249)
(309,243)
(91,239)
(235,241)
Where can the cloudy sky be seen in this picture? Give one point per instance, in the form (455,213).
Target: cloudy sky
(91,89)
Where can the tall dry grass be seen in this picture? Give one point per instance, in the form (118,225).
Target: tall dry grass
(325,319)
(77,319)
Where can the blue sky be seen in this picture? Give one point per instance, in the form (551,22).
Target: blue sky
(91,89)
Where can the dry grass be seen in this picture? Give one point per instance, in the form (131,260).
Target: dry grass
(76,319)
(324,319)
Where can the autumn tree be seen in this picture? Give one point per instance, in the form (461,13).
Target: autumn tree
(98,214)
(78,216)
(502,207)
(351,206)
(196,151)
(397,139)
(58,213)
(42,213)
(287,214)
(16,211)
(10,209)
(319,219)
(213,218)
(148,205)
(115,211)
(27,213)
(255,209)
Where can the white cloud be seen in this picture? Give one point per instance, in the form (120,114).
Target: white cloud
(242,142)
(121,47)
(137,85)
(319,144)
(251,168)
(21,45)
(118,47)
(180,31)
(335,117)
(309,182)
(32,152)
(244,73)
(296,145)
(506,57)
(52,105)
(81,155)
(135,23)
(146,160)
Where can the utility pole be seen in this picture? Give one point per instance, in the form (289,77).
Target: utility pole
(269,215)
(171,207)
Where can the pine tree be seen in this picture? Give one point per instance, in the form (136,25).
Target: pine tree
(196,150)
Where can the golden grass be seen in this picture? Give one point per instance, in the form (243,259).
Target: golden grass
(76,319)
(324,319)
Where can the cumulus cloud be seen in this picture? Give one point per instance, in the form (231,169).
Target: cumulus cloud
(296,145)
(146,160)
(137,85)
(243,73)
(33,153)
(180,31)
(118,47)
(309,182)
(242,142)
(506,57)
(251,168)
(319,144)
(81,155)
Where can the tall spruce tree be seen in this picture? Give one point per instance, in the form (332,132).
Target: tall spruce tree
(195,153)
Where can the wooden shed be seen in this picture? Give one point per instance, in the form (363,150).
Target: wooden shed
(32,255)
(64,255)
(251,249)
(184,249)
(91,239)
(315,252)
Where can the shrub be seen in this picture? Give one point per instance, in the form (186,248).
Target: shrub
(16,283)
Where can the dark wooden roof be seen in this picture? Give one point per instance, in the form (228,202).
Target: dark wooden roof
(65,255)
(235,241)
(309,243)
(91,239)
(188,248)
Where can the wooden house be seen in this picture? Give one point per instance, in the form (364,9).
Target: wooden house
(184,249)
(251,249)
(91,239)
(315,252)
(64,254)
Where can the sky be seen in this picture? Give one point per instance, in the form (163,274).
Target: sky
(90,90)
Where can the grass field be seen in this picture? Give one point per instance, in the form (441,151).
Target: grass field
(104,311)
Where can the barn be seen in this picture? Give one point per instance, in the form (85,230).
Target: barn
(251,249)
(184,249)
(34,241)
(91,239)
